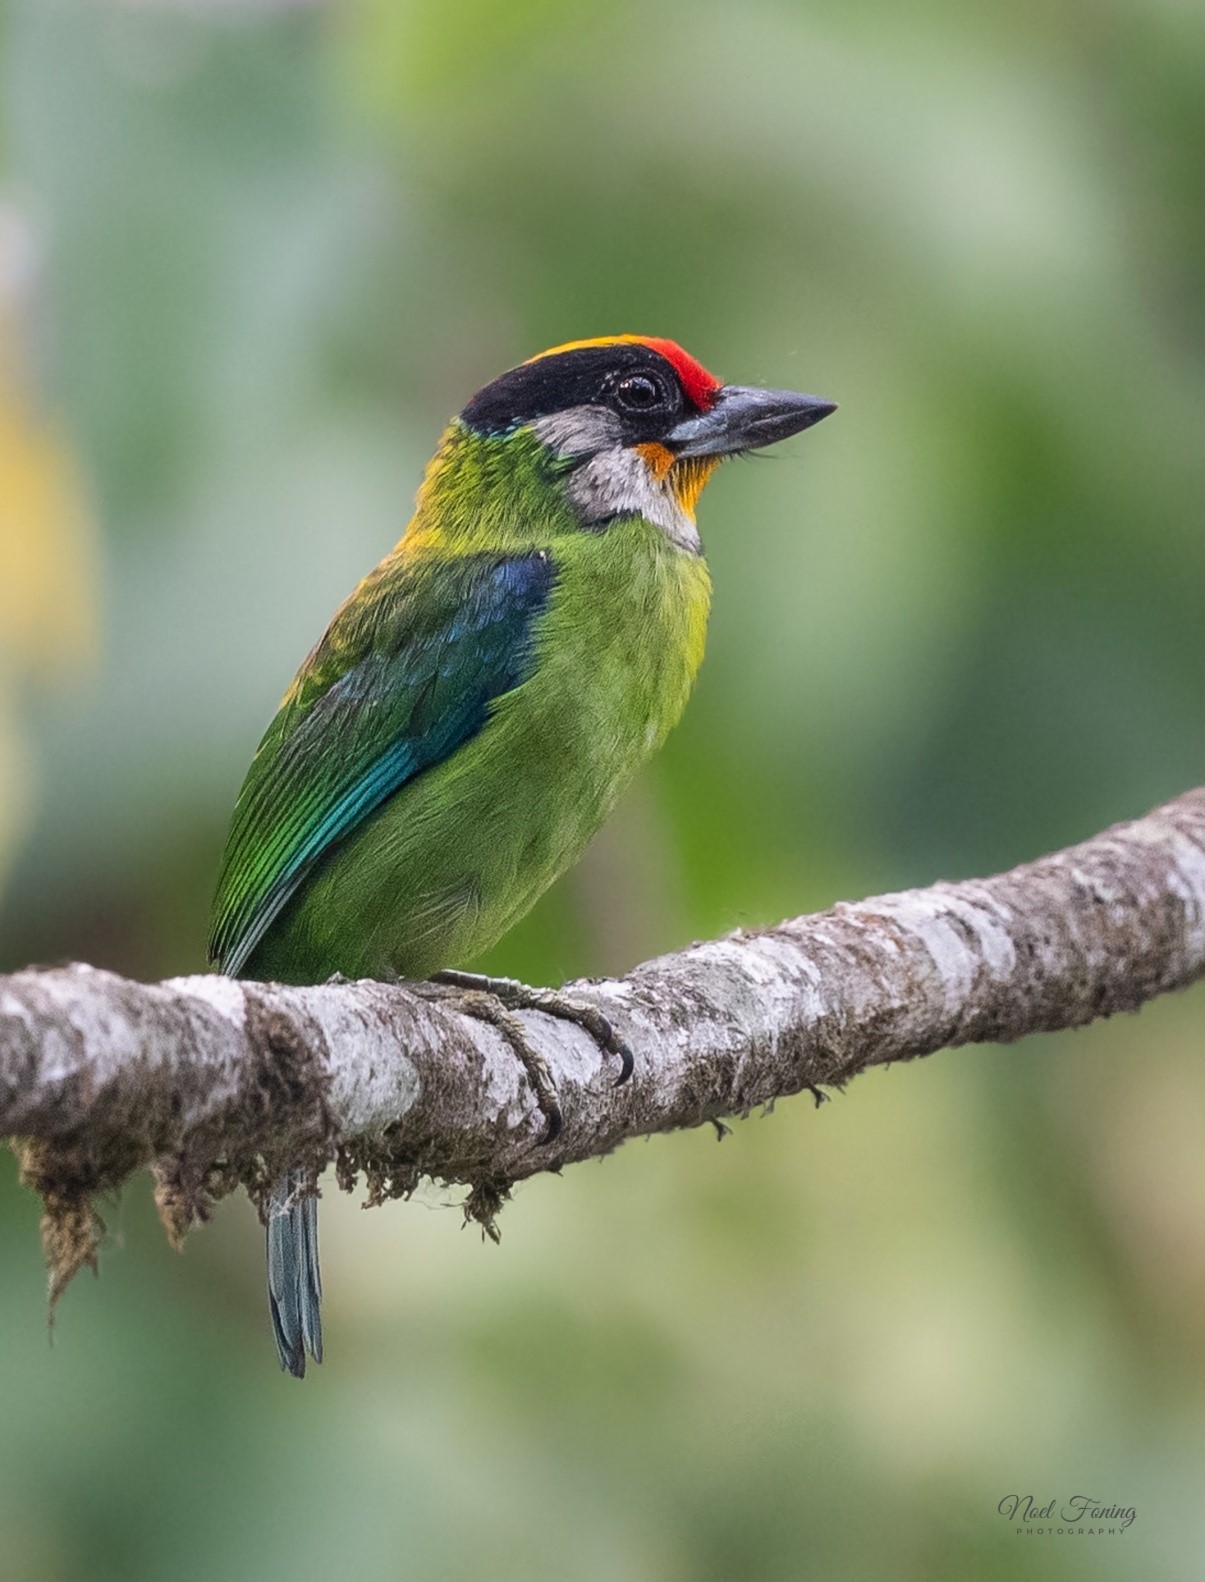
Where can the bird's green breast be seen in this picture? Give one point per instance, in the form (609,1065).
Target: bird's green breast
(460,853)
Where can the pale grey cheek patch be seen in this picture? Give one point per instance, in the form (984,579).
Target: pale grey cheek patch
(617,482)
(579,431)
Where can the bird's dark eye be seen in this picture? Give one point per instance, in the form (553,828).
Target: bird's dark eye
(639,393)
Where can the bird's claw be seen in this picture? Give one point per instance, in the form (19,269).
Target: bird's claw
(591,1020)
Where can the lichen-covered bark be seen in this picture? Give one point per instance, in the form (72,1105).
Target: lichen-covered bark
(213,1084)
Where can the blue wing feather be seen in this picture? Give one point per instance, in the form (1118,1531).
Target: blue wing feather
(405,675)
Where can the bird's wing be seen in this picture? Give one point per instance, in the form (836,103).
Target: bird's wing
(403,676)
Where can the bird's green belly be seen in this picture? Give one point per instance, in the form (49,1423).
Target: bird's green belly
(462,852)
(455,858)
(449,864)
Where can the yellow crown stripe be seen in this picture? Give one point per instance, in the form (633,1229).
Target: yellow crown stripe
(598,340)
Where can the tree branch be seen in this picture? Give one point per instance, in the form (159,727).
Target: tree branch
(214,1083)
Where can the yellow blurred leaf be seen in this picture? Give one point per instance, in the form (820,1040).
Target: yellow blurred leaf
(47,574)
(46,562)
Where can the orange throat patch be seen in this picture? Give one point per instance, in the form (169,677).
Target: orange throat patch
(686,478)
(657,458)
(689,479)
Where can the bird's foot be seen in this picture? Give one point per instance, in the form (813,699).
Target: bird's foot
(494,1000)
(486,1007)
(518,996)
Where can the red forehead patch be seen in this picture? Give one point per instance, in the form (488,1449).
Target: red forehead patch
(699,385)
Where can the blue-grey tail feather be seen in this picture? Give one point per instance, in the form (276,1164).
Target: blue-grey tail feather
(294,1281)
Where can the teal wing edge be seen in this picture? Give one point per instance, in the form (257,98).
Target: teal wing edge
(404,675)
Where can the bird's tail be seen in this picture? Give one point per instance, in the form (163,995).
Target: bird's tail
(294,1281)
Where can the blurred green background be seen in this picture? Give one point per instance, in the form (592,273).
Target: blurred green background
(251,257)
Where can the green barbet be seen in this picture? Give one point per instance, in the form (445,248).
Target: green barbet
(474,709)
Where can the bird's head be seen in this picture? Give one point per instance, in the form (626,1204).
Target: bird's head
(635,426)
